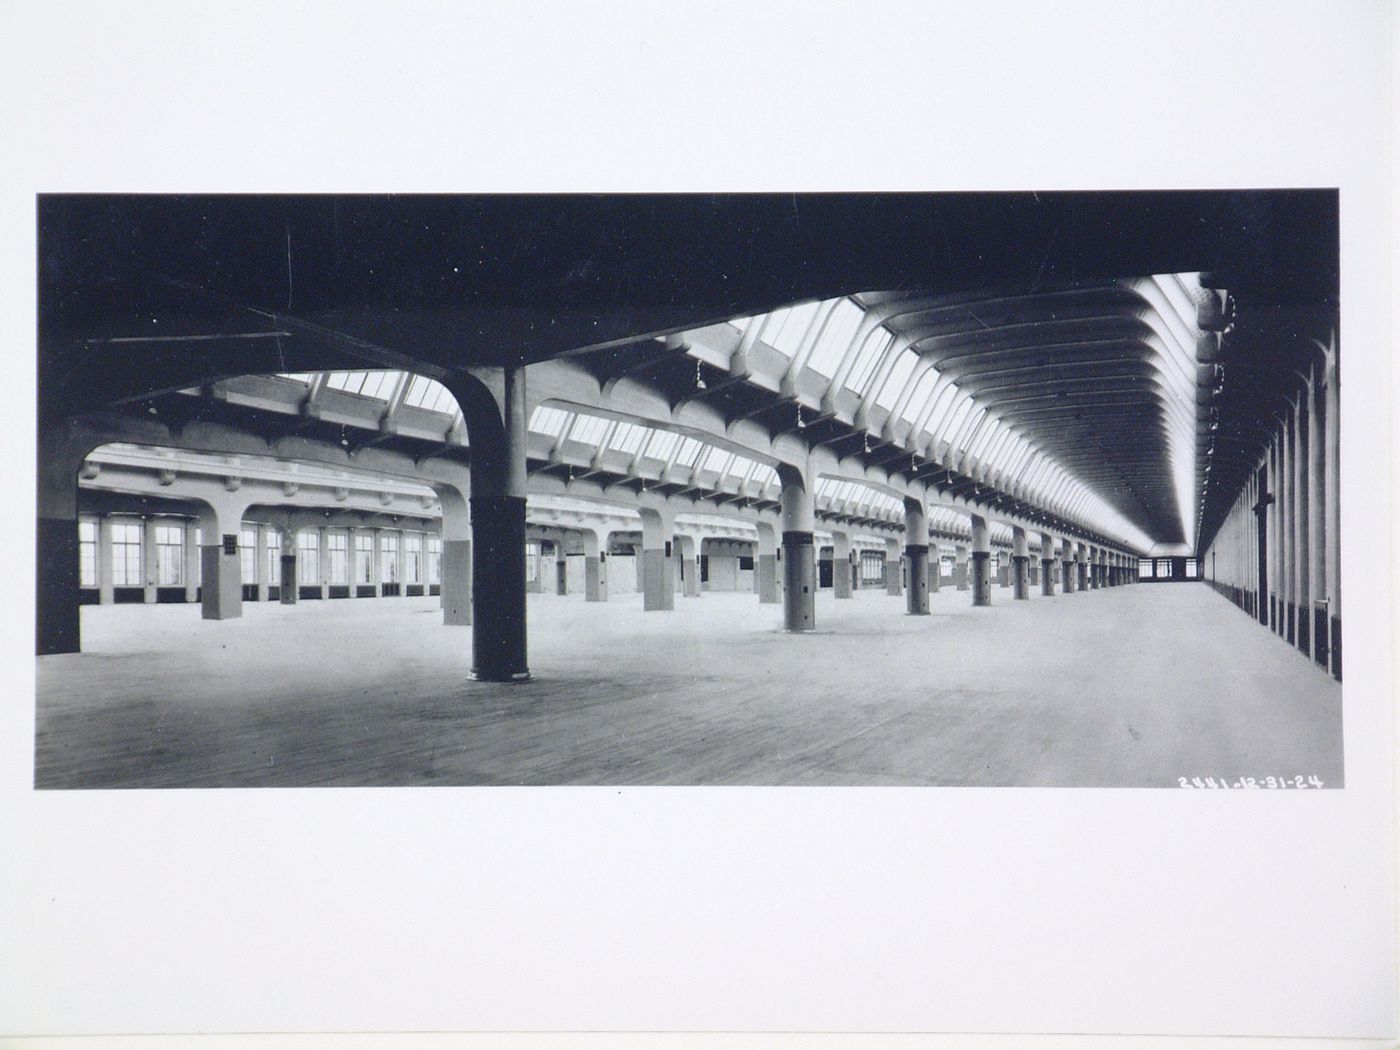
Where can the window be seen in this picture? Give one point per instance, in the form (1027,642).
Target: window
(308,557)
(378,385)
(170,555)
(894,382)
(1191,568)
(274,556)
(532,562)
(431,395)
(435,559)
(549,421)
(589,430)
(873,349)
(945,566)
(627,438)
(389,558)
(662,444)
(918,400)
(364,558)
(786,327)
(126,555)
(248,554)
(87,554)
(336,567)
(835,338)
(1144,568)
(413,557)
(1164,568)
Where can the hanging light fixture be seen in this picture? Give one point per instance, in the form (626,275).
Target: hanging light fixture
(801,423)
(865,434)
(699,379)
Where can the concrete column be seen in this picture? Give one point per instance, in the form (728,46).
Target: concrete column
(981,562)
(658,587)
(323,563)
(1020,565)
(1047,565)
(221,586)
(287,593)
(766,565)
(1302,519)
(376,560)
(260,560)
(104,560)
(1067,565)
(57,620)
(190,570)
(688,558)
(561,565)
(148,559)
(960,574)
(496,414)
(595,558)
(1081,567)
(455,564)
(1287,593)
(799,552)
(841,563)
(401,557)
(892,569)
(1331,520)
(916,555)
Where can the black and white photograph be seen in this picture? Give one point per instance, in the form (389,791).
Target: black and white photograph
(978,489)
(740,525)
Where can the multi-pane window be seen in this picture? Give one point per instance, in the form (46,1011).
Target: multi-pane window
(274,556)
(1191,568)
(170,555)
(87,554)
(589,430)
(389,558)
(945,566)
(378,385)
(248,553)
(1164,568)
(549,421)
(430,394)
(413,557)
(308,557)
(532,562)
(435,559)
(835,338)
(126,555)
(898,377)
(364,558)
(871,353)
(786,327)
(336,567)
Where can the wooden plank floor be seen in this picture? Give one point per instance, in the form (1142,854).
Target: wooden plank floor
(1125,687)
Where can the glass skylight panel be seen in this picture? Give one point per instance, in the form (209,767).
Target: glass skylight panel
(366,384)
(548,421)
(951,430)
(787,326)
(871,351)
(835,338)
(899,375)
(429,394)
(301,377)
(690,449)
(662,443)
(918,400)
(764,475)
(741,322)
(716,459)
(588,430)
(627,438)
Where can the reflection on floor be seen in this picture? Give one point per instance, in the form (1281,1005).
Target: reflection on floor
(1133,686)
